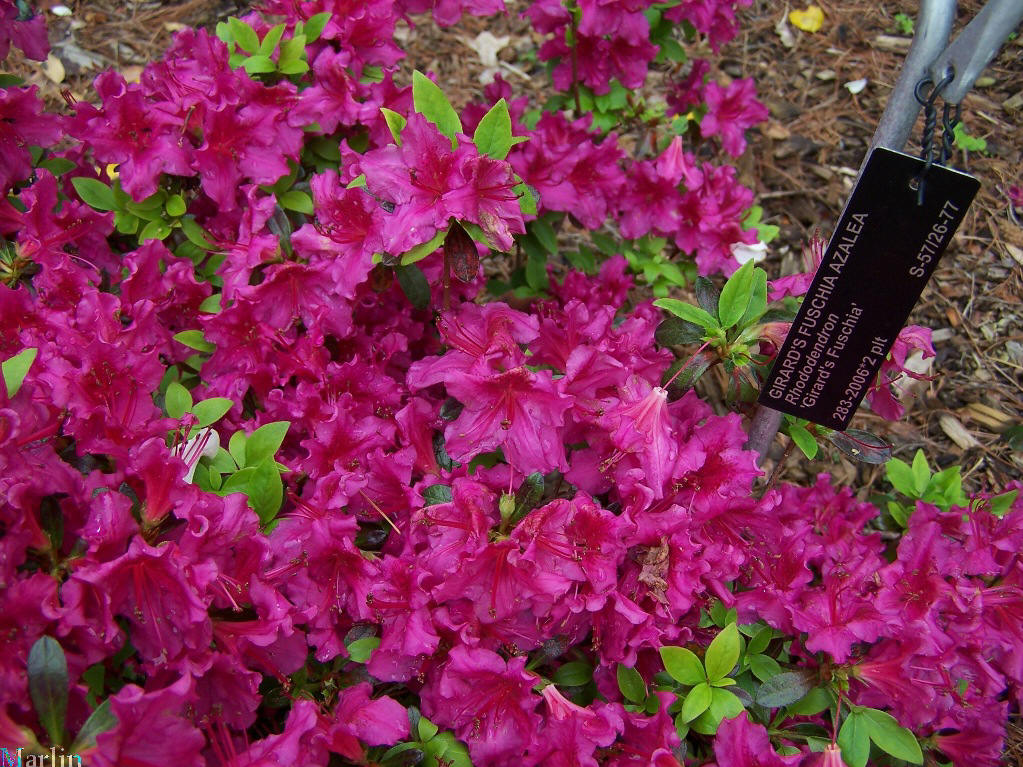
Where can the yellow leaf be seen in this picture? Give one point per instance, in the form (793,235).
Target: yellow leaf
(809,20)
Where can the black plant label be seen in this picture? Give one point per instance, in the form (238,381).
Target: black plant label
(886,247)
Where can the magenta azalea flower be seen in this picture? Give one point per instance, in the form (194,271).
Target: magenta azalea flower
(22,124)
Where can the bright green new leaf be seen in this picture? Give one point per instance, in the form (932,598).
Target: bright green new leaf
(688,312)
(723,705)
(361,649)
(901,476)
(854,740)
(16,368)
(723,653)
(194,339)
(631,684)
(395,123)
(175,206)
(804,440)
(758,302)
(921,473)
(244,35)
(431,103)
(211,410)
(421,251)
(292,52)
(764,667)
(683,665)
(314,27)
(270,40)
(94,193)
(493,135)
(236,447)
(265,491)
(426,729)
(48,686)
(889,736)
(736,295)
(696,702)
(158,229)
(195,233)
(178,400)
(258,64)
(265,441)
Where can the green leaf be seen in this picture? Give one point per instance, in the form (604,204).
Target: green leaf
(723,653)
(178,400)
(683,665)
(536,272)
(723,705)
(223,463)
(210,304)
(58,166)
(360,651)
(94,193)
(292,52)
(900,475)
(759,640)
(243,34)
(811,704)
(395,123)
(921,473)
(688,312)
(804,440)
(854,740)
(295,199)
(697,701)
(631,684)
(785,688)
(16,368)
(891,737)
(527,198)
(435,494)
(101,720)
(157,229)
(211,410)
(258,64)
(545,235)
(48,686)
(758,303)
(359,182)
(194,339)
(573,674)
(421,251)
(270,40)
(675,331)
(266,491)
(431,103)
(736,295)
(175,206)
(195,233)
(293,68)
(764,667)
(314,27)
(236,447)
(493,135)
(413,285)
(999,505)
(265,441)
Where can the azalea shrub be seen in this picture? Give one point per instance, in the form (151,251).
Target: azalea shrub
(339,426)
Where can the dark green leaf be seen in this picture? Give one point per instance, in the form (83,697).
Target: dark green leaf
(683,666)
(94,193)
(101,720)
(413,285)
(58,166)
(48,686)
(431,103)
(536,273)
(265,441)
(760,639)
(785,688)
(707,295)
(736,296)
(573,674)
(695,367)
(16,368)
(631,684)
(437,494)
(195,233)
(545,235)
(861,445)
(528,496)
(361,649)
(811,704)
(676,331)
